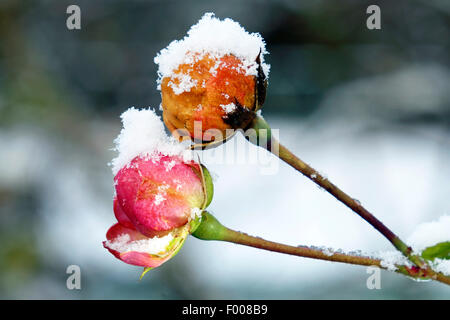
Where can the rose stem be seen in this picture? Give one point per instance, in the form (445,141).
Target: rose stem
(271,144)
(211,229)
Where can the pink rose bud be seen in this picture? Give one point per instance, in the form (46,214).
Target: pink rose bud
(158,203)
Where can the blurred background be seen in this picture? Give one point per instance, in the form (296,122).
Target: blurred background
(368,108)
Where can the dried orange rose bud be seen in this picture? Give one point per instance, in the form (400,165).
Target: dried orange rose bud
(214,78)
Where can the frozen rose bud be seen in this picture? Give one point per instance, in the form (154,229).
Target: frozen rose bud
(158,194)
(223,96)
(212,80)
(158,203)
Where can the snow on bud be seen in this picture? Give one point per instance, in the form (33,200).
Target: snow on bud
(132,247)
(160,192)
(212,80)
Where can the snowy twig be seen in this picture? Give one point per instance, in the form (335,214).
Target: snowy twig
(212,229)
(287,156)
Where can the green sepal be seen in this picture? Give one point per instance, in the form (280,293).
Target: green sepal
(262,134)
(208,186)
(147,269)
(194,223)
(180,235)
(210,228)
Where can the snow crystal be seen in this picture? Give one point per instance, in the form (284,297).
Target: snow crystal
(151,245)
(158,199)
(214,37)
(143,135)
(178,184)
(328,251)
(169,165)
(196,212)
(391,259)
(185,83)
(160,196)
(430,233)
(228,108)
(325,250)
(388,259)
(441,265)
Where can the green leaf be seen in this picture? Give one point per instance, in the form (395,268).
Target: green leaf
(440,250)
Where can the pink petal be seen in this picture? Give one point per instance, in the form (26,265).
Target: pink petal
(121,217)
(150,209)
(141,259)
